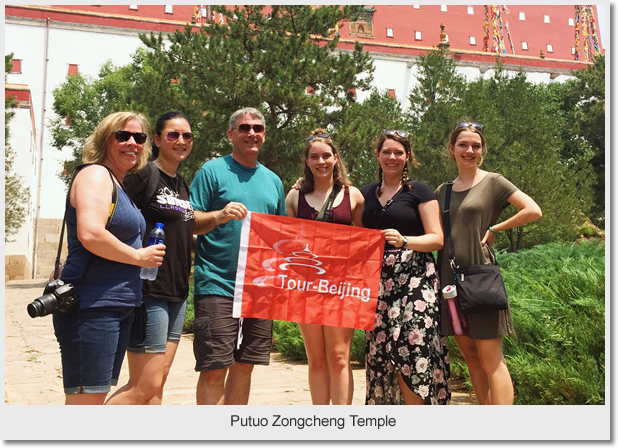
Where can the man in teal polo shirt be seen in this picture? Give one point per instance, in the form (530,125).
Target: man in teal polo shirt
(222,193)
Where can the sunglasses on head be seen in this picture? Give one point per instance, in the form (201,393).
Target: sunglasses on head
(402,134)
(257,128)
(124,136)
(466,124)
(311,137)
(173,136)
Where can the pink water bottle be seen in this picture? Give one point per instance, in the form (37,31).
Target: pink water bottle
(460,326)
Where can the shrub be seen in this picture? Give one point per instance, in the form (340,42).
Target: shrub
(557,295)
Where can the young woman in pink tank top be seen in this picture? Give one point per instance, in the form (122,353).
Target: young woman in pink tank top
(328,348)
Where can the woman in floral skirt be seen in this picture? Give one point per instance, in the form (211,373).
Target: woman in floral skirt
(406,355)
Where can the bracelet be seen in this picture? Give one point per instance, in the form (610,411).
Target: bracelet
(405,242)
(492,230)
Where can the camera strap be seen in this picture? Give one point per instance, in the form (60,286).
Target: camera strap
(66,208)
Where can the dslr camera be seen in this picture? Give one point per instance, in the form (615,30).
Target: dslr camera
(56,296)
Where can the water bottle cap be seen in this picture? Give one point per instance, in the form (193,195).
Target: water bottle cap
(159,225)
(449,292)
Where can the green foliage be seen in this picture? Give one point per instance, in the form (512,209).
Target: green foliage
(434,108)
(16,196)
(583,103)
(557,295)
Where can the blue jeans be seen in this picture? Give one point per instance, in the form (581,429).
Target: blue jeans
(165,321)
(93,342)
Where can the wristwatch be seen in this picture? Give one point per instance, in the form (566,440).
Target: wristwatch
(405,242)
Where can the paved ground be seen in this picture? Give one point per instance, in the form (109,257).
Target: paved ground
(33,373)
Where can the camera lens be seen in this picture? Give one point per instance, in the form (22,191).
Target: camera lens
(43,306)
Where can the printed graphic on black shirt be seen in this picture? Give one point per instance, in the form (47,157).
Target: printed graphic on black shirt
(168,199)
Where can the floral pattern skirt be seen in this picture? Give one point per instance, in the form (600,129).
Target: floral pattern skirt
(406,338)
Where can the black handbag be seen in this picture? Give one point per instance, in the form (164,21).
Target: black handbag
(480,288)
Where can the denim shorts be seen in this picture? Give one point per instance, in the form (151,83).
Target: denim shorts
(220,340)
(93,342)
(164,323)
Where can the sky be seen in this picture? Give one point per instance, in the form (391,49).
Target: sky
(601,22)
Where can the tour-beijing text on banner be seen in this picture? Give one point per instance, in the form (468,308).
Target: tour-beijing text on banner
(300,270)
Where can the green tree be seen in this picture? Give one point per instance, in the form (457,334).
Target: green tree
(16,196)
(524,145)
(261,58)
(434,108)
(584,131)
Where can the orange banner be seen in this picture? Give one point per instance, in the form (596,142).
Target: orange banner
(300,270)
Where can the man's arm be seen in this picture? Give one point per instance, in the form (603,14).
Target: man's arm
(206,221)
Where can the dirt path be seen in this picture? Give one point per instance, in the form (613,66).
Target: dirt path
(33,373)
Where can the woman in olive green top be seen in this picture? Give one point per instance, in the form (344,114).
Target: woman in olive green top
(477,199)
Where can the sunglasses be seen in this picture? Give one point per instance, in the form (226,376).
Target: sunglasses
(466,124)
(124,136)
(311,137)
(173,136)
(245,128)
(402,134)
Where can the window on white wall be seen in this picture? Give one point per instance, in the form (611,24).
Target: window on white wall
(169,9)
(472,40)
(546,18)
(571,21)
(470,10)
(524,45)
(418,35)
(133,7)
(443,8)
(550,48)
(522,16)
(389,32)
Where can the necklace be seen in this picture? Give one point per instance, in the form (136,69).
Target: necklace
(173,184)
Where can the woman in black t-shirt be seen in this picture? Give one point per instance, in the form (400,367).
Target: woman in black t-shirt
(163,196)
(406,356)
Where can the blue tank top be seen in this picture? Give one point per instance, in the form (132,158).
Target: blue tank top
(100,282)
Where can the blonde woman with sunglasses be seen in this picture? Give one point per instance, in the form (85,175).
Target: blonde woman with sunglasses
(477,199)
(328,348)
(163,196)
(104,259)
(406,355)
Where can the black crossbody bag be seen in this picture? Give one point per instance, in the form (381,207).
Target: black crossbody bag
(480,288)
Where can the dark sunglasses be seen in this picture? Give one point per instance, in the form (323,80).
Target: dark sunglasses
(245,128)
(466,124)
(402,134)
(124,136)
(173,136)
(311,137)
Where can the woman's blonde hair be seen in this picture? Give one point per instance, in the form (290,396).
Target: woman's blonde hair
(95,150)
(340,173)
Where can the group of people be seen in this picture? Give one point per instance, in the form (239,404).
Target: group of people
(406,353)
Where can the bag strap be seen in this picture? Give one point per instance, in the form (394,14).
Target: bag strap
(446,219)
(110,216)
(328,205)
(151,187)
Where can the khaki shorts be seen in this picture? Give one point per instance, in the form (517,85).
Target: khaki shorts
(216,342)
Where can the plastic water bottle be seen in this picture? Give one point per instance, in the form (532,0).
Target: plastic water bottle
(460,326)
(157,236)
